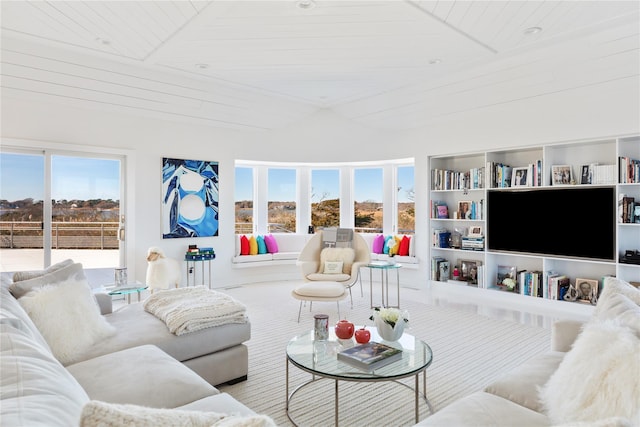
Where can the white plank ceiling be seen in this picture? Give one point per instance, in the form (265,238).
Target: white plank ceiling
(264,64)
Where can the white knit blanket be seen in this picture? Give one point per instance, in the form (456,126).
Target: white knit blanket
(187,310)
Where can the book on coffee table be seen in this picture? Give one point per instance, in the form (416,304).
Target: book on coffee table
(370,356)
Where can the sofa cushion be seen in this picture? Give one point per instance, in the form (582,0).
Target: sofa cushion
(378,244)
(60,275)
(485,409)
(135,327)
(253,258)
(598,378)
(244,245)
(19,276)
(272,244)
(143,375)
(521,384)
(404,246)
(96,413)
(12,312)
(68,318)
(36,390)
(262,247)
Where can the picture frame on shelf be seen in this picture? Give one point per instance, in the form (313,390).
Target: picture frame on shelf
(464,209)
(561,175)
(475,231)
(520,177)
(469,270)
(585,176)
(587,290)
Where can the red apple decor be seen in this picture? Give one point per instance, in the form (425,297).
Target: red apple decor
(344,329)
(363,335)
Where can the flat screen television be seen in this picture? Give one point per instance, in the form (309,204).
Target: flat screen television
(568,222)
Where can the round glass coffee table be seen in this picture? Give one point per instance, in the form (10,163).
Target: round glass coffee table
(319,358)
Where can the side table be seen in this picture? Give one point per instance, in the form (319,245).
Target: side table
(191,266)
(384,268)
(127,290)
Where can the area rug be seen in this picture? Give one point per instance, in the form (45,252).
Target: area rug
(470,351)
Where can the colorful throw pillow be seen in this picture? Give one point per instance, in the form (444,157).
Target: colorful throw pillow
(378,244)
(389,241)
(272,244)
(253,246)
(394,246)
(244,245)
(262,246)
(404,246)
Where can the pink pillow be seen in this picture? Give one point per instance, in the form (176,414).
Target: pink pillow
(404,246)
(272,245)
(244,245)
(378,244)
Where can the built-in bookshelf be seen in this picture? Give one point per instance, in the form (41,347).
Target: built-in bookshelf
(459,240)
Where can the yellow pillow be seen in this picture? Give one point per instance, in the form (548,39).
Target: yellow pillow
(253,246)
(395,248)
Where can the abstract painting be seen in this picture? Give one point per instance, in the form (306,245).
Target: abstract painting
(190,192)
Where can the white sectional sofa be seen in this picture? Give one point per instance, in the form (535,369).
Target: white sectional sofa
(37,389)
(590,378)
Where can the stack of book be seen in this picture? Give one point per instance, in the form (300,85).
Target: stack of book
(470,243)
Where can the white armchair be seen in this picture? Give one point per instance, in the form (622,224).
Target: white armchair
(312,257)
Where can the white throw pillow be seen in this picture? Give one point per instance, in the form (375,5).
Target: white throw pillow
(68,318)
(333,267)
(346,255)
(104,414)
(58,275)
(598,378)
(19,276)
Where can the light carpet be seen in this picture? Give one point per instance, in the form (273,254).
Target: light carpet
(470,351)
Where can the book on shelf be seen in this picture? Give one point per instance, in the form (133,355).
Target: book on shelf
(443,211)
(370,356)
(443,271)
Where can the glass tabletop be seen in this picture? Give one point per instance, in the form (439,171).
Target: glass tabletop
(127,289)
(320,357)
(383,265)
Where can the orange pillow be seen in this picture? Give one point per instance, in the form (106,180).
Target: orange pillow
(393,250)
(404,246)
(244,245)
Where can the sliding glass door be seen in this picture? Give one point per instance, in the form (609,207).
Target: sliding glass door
(55,206)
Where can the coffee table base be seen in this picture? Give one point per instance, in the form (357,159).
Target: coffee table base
(316,377)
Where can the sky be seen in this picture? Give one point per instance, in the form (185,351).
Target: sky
(324,182)
(81,178)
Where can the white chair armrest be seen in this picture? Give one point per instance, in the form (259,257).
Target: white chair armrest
(104,302)
(564,333)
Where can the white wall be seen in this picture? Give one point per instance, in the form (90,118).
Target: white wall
(593,112)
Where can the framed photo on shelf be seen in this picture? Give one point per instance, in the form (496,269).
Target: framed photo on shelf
(520,177)
(561,175)
(464,209)
(475,231)
(469,270)
(587,289)
(585,177)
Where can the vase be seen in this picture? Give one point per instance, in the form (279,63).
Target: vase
(385,330)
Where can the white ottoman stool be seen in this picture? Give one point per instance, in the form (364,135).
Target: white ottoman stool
(319,291)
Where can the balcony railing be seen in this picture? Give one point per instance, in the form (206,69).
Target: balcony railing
(64,235)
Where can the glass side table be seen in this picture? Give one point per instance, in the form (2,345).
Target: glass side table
(384,268)
(127,290)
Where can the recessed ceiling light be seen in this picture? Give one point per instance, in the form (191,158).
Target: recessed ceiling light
(532,30)
(305,4)
(435,61)
(202,66)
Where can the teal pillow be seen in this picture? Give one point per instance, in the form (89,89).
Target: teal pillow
(262,246)
(389,242)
